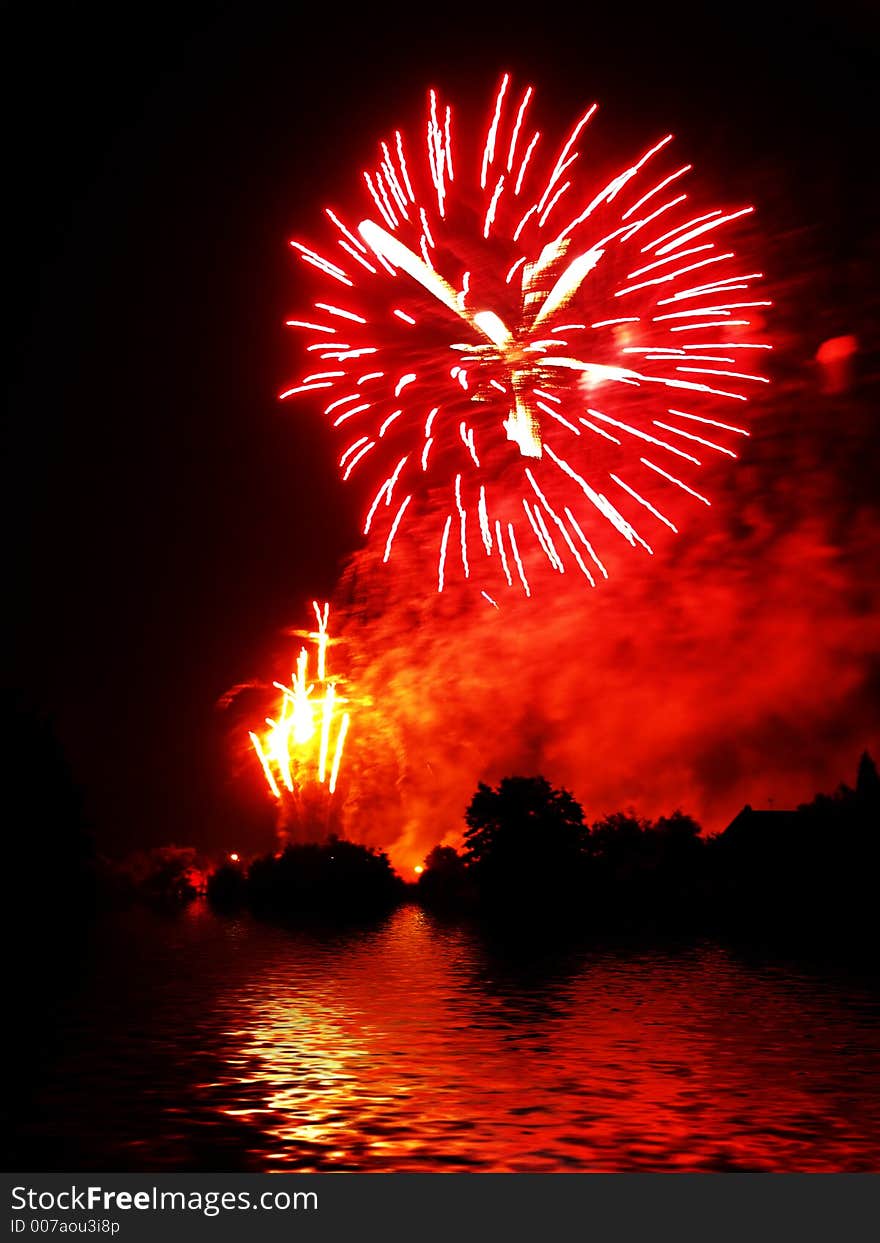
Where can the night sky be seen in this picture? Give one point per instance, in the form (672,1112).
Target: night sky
(167,517)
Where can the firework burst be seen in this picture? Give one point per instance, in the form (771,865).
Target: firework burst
(530,358)
(304,742)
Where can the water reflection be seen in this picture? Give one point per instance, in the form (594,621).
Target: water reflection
(418,1045)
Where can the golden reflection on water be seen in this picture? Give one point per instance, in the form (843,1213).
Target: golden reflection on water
(305,1060)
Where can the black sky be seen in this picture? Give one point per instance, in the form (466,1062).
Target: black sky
(166,517)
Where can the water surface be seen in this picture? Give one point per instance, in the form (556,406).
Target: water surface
(200,1042)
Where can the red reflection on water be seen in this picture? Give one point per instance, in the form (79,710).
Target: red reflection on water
(413,1049)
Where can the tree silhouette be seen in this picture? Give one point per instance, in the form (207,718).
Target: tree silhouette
(524,840)
(444,860)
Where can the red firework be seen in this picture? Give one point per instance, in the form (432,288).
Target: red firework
(499,334)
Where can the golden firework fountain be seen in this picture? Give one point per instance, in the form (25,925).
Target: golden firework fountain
(300,750)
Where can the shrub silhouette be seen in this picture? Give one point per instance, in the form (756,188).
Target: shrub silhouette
(335,878)
(165,875)
(444,881)
(227,887)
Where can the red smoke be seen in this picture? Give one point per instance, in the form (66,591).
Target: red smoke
(739,664)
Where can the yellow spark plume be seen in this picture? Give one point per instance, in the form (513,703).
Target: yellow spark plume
(293,750)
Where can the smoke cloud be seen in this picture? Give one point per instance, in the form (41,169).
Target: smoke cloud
(738,664)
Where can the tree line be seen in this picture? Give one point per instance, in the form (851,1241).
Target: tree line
(529,858)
